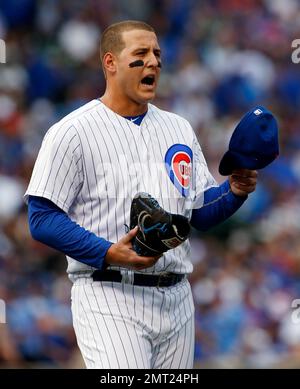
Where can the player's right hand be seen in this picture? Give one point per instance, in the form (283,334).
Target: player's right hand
(122,254)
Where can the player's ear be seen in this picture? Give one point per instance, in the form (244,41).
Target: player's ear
(109,63)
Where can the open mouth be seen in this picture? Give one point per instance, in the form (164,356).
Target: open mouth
(148,80)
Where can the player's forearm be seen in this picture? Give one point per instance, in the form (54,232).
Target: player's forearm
(51,226)
(219,204)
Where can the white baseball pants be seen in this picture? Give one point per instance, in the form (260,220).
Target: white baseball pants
(121,326)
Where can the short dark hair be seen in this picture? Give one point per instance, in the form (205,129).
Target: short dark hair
(111,39)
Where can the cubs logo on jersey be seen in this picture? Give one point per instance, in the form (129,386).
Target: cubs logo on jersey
(178,162)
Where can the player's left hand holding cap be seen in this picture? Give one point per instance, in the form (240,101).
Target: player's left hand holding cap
(254,143)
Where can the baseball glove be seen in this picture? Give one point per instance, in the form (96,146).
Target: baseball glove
(159,230)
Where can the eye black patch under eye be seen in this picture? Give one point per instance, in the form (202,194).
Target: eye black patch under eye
(138,62)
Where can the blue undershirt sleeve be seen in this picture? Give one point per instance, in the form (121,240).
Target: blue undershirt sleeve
(219,204)
(53,227)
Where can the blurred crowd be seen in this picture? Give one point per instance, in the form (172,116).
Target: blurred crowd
(220,58)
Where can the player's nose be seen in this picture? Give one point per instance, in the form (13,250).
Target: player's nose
(153,61)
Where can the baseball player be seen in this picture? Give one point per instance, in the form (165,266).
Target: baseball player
(90,166)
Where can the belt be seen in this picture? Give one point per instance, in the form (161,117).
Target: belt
(161,280)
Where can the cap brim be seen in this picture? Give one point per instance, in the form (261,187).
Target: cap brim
(232,160)
(227,164)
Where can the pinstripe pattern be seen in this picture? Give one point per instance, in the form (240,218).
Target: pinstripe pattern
(161,335)
(91,164)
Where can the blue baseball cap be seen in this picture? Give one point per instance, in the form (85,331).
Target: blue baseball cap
(253,144)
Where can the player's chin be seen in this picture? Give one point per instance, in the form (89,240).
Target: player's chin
(147,89)
(147,92)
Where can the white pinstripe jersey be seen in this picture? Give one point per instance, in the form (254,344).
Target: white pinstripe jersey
(93,162)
